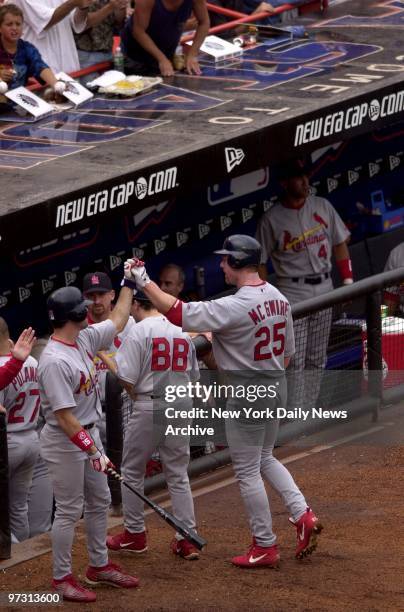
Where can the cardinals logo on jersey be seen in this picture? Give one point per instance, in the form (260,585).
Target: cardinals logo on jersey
(320,220)
(87,385)
(311,236)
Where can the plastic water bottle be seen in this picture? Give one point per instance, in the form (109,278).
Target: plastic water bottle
(119,60)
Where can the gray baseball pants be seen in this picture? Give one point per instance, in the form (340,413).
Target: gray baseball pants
(77,489)
(144,433)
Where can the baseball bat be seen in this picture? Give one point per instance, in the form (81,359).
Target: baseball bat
(189,534)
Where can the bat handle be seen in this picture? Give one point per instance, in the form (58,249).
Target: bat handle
(114,473)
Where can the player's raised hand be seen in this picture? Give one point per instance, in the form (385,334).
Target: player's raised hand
(127,268)
(22,348)
(100,462)
(139,274)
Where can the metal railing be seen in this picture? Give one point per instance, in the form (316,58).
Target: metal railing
(366,398)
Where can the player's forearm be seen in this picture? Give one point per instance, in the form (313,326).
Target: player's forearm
(61,12)
(201,33)
(343,261)
(120,314)
(48,76)
(341,251)
(9,371)
(71,427)
(147,43)
(98,17)
(161,300)
(129,388)
(108,361)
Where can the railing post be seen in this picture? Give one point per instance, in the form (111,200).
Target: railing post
(374,348)
(114,434)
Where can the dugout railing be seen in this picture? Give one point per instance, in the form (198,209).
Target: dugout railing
(364,368)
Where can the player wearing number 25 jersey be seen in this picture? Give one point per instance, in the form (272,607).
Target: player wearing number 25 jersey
(252,333)
(21,400)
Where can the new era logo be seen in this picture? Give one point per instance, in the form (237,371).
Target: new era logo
(234,157)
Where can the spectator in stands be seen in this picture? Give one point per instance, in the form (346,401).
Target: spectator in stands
(151,35)
(49,24)
(394,296)
(300,233)
(256,6)
(94,45)
(19,59)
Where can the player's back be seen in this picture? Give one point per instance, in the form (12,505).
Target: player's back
(252,329)
(156,353)
(21,397)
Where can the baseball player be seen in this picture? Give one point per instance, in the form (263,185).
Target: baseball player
(394,296)
(18,354)
(154,352)
(97,288)
(40,498)
(300,233)
(70,442)
(252,331)
(21,400)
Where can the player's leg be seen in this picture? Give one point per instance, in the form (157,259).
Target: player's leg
(40,500)
(65,464)
(175,453)
(23,449)
(97,499)
(245,444)
(276,474)
(139,444)
(307,525)
(318,334)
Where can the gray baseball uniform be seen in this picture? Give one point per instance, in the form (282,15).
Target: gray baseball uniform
(21,400)
(252,330)
(394,261)
(155,353)
(40,498)
(67,379)
(299,243)
(102,370)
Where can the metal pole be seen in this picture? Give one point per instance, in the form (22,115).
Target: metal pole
(374,348)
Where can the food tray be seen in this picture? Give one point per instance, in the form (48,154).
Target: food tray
(131,86)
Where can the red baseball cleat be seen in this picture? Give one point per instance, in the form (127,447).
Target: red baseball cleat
(111,575)
(131,542)
(259,556)
(184,549)
(71,590)
(153,466)
(308,528)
